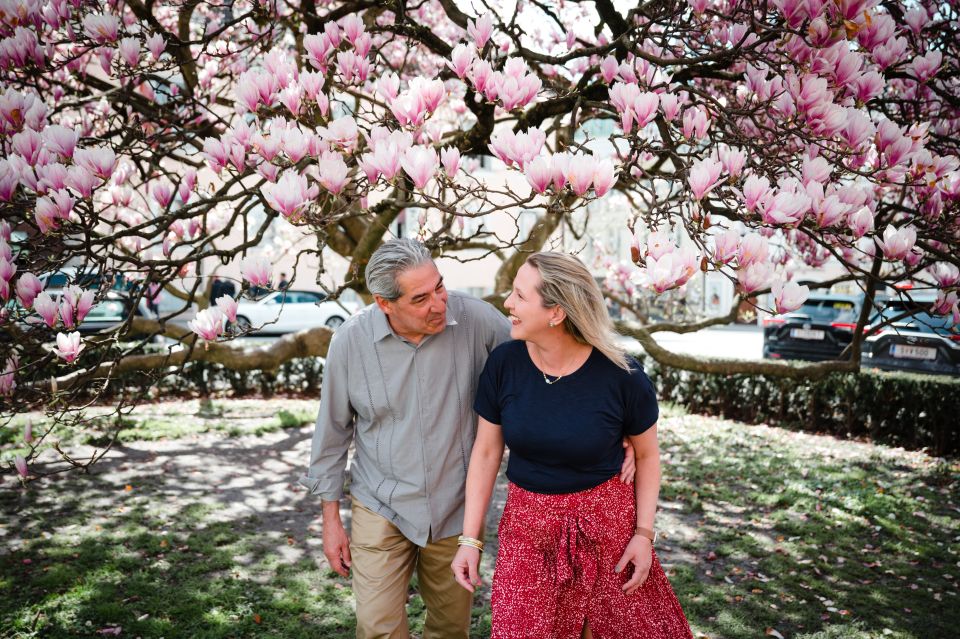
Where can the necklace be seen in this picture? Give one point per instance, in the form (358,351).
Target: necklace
(551,381)
(547,379)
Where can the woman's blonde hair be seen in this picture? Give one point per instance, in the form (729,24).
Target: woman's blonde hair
(566,282)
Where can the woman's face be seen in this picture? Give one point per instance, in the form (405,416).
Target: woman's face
(528,317)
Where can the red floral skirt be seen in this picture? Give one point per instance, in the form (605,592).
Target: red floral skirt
(555,569)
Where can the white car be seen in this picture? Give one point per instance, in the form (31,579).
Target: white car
(290,311)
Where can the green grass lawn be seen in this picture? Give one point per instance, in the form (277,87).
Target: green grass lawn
(767,532)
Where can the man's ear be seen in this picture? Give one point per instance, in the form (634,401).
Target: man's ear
(385,305)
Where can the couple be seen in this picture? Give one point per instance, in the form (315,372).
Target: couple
(405,380)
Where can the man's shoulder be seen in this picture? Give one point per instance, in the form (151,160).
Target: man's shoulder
(359,322)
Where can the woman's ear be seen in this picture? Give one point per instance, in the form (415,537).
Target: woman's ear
(558,315)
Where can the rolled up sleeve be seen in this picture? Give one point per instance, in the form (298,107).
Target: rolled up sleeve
(335,427)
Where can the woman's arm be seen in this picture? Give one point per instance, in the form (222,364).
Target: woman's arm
(481,477)
(647,491)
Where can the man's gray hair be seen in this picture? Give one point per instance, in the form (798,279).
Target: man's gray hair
(390,260)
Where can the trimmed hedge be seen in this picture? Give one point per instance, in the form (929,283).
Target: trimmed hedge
(899,409)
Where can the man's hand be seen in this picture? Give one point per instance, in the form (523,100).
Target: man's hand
(336,544)
(629,468)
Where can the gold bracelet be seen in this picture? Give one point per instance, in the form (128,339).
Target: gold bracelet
(470,541)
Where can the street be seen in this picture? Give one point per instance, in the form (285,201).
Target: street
(729,342)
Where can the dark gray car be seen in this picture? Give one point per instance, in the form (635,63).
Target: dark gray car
(913,339)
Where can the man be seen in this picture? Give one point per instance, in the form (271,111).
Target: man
(399,382)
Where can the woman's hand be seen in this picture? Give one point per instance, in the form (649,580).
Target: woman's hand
(639,552)
(466,567)
(629,468)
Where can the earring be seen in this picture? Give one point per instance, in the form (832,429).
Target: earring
(551,324)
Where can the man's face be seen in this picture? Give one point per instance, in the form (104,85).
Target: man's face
(421,309)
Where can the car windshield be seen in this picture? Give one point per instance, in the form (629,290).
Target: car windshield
(917,316)
(826,310)
(112,310)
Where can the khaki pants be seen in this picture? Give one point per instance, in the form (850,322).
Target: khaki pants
(383,562)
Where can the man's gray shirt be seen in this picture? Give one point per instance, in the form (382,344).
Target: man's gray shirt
(409,410)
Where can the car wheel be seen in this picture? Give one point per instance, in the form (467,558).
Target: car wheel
(334,322)
(243,324)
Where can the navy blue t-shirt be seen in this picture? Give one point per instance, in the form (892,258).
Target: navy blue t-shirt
(568,436)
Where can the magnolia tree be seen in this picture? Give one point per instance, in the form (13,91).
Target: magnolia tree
(153,142)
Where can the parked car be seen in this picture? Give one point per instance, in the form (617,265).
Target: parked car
(289,311)
(114,309)
(913,340)
(819,330)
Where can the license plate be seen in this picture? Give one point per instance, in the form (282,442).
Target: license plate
(805,333)
(913,352)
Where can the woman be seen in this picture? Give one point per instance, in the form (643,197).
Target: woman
(576,553)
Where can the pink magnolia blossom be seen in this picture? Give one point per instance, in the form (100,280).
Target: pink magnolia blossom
(208,324)
(671,270)
(101,27)
(788,296)
(539,174)
(481,30)
(312,84)
(187,184)
(517,148)
(861,222)
(944,273)
(755,276)
(27,144)
(296,144)
(21,465)
(604,176)
(162,192)
(290,195)
(352,26)
(332,171)
(99,161)
(9,180)
(703,176)
(558,164)
(925,67)
(829,211)
(580,171)
(341,132)
(318,47)
(228,306)
(129,50)
(896,243)
(867,86)
(754,248)
(609,67)
(658,244)
(460,60)
(450,158)
(156,44)
(633,105)
(256,270)
(53,176)
(732,160)
(788,207)
(695,123)
(60,140)
(28,287)
(69,346)
(420,163)
(670,105)
(8,383)
(291,98)
(46,308)
(946,302)
(725,246)
(82,181)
